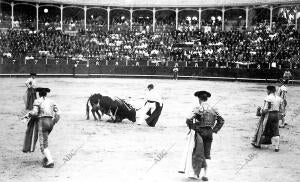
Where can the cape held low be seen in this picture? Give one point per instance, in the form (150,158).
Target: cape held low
(118,109)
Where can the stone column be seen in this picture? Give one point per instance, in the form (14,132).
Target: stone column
(131,13)
(37,17)
(12,14)
(271,16)
(247,16)
(223,19)
(61,16)
(296,19)
(176,19)
(108,17)
(153,19)
(199,18)
(85,10)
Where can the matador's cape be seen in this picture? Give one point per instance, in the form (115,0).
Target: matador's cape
(31,135)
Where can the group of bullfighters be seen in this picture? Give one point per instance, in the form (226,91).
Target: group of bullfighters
(203,121)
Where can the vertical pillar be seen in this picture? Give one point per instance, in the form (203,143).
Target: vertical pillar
(108,15)
(247,16)
(85,9)
(37,17)
(153,19)
(12,14)
(199,18)
(176,18)
(223,19)
(296,19)
(131,12)
(61,16)
(271,16)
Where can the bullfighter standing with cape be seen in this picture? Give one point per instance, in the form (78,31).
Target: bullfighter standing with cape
(44,116)
(30,94)
(282,92)
(202,125)
(267,127)
(152,108)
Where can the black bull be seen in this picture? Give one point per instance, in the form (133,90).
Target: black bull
(116,108)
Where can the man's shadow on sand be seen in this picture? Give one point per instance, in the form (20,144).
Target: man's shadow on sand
(30,163)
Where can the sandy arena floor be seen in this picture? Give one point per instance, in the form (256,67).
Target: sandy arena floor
(87,150)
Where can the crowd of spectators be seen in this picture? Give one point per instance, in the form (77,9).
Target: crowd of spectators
(260,45)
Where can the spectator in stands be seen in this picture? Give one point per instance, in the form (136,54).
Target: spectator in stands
(260,46)
(287,75)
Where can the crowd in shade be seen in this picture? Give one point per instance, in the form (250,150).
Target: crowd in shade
(260,45)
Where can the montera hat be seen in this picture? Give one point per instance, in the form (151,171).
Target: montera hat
(41,89)
(32,74)
(150,86)
(202,94)
(271,88)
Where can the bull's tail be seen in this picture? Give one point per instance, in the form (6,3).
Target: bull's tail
(88,109)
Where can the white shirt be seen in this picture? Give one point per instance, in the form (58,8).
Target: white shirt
(275,102)
(282,91)
(32,81)
(153,95)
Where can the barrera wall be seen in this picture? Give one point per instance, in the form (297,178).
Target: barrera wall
(143,69)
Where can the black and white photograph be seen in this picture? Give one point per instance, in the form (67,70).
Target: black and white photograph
(156,91)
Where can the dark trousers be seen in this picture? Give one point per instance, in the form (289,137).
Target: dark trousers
(31,96)
(153,117)
(175,75)
(206,134)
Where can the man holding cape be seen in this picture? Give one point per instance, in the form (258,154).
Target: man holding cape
(268,124)
(152,108)
(44,115)
(202,124)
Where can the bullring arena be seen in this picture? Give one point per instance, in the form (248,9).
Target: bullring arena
(88,150)
(233,49)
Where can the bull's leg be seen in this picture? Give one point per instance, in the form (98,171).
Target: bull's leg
(118,120)
(114,117)
(93,112)
(99,115)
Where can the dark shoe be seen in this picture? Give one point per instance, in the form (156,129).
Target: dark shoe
(50,165)
(256,146)
(204,178)
(276,150)
(45,160)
